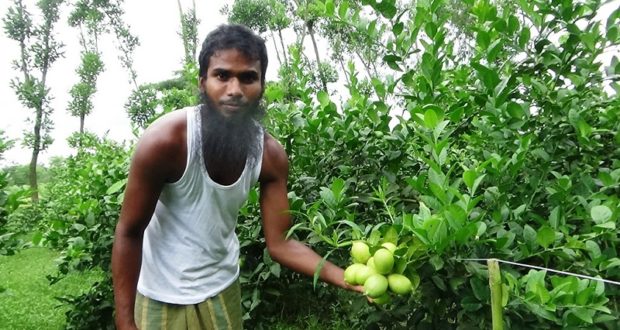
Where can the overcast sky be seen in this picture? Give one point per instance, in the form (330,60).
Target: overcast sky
(156,23)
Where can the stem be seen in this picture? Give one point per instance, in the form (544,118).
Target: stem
(495,283)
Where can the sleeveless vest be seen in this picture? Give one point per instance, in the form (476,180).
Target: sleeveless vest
(190,250)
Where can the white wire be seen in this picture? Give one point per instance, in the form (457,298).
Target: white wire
(543,268)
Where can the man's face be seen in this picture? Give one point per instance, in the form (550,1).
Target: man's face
(232,83)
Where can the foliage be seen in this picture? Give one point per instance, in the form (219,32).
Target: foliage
(81,210)
(11,197)
(189,32)
(5,144)
(151,101)
(509,153)
(18,175)
(38,51)
(82,92)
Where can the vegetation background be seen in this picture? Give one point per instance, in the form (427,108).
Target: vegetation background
(463,129)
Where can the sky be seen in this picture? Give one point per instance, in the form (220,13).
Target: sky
(160,54)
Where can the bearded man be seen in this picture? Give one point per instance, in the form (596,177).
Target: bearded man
(175,259)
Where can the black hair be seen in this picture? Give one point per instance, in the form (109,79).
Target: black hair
(233,36)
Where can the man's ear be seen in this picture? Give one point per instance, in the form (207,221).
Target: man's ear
(201,84)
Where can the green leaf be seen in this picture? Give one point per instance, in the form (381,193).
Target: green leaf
(116,187)
(505,295)
(343,9)
(513,24)
(398,28)
(612,263)
(391,61)
(583,314)
(529,234)
(494,49)
(515,110)
(483,39)
(323,98)
(317,271)
(524,37)
(607,225)
(275,269)
(489,77)
(555,217)
(437,262)
(330,8)
(455,216)
(600,214)
(387,9)
(585,130)
(545,236)
(482,228)
(469,177)
(593,249)
(431,119)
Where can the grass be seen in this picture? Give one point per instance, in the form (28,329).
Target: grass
(26,297)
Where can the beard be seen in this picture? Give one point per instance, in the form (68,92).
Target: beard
(233,141)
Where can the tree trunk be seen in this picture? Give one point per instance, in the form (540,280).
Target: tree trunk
(275,46)
(82,118)
(344,71)
(35,157)
(316,53)
(365,65)
(283,48)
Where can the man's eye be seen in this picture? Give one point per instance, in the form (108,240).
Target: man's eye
(248,78)
(221,75)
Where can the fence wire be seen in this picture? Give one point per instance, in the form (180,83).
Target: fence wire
(543,268)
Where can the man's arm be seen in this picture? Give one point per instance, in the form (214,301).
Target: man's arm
(150,169)
(277,221)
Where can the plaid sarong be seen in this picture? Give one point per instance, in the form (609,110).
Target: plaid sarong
(220,312)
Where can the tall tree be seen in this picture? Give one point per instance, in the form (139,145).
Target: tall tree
(88,16)
(189,32)
(309,14)
(262,16)
(39,49)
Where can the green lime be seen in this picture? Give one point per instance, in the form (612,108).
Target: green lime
(360,252)
(384,261)
(375,286)
(350,272)
(399,284)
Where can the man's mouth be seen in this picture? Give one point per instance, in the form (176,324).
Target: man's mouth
(232,107)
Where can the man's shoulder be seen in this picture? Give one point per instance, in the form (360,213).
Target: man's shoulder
(165,137)
(168,129)
(275,159)
(273,148)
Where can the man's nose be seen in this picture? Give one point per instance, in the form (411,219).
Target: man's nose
(233,88)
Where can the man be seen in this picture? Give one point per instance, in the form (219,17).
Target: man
(175,255)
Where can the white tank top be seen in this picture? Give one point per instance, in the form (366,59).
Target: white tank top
(190,251)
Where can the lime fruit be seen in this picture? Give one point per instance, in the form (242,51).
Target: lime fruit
(382,299)
(360,252)
(399,284)
(384,261)
(371,263)
(363,273)
(350,272)
(375,286)
(390,246)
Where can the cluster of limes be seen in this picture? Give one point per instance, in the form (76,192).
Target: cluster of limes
(375,272)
